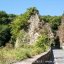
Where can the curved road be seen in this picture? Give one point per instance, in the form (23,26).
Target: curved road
(58,56)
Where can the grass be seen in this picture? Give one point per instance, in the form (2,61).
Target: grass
(9,55)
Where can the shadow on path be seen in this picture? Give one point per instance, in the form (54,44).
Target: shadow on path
(51,61)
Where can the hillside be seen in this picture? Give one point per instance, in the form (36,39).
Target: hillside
(20,34)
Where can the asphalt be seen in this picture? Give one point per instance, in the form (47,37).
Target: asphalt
(58,56)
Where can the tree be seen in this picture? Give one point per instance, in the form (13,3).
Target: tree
(4,34)
(55,22)
(3,14)
(5,20)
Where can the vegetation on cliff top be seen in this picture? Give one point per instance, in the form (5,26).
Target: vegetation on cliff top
(21,22)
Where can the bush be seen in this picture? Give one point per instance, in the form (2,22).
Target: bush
(9,55)
(22,39)
(42,41)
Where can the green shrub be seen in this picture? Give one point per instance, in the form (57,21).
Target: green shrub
(9,55)
(42,41)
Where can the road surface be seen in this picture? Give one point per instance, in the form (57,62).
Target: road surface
(58,56)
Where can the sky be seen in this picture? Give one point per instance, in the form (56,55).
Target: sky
(45,7)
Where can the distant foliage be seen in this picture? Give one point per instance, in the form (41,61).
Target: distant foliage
(3,14)
(5,20)
(54,21)
(46,18)
(4,34)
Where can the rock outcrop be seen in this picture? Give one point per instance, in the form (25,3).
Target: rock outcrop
(49,32)
(33,28)
(36,27)
(61,32)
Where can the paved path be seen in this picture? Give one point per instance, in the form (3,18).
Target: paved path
(58,56)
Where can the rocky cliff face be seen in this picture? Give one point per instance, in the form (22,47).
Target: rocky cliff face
(49,32)
(36,27)
(61,32)
(33,28)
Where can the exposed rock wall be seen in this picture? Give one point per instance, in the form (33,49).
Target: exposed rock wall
(36,27)
(33,28)
(32,33)
(61,32)
(49,32)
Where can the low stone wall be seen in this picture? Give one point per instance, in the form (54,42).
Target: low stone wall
(44,58)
